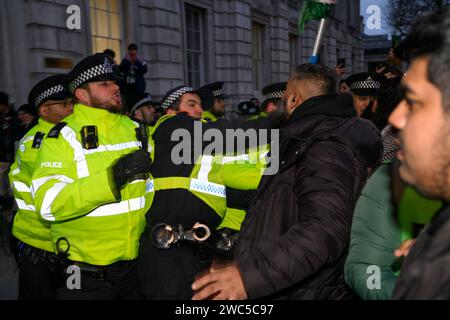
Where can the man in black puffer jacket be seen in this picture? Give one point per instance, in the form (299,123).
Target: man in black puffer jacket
(293,242)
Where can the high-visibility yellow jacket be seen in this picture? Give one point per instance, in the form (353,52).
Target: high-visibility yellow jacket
(27,226)
(260,115)
(209,116)
(72,188)
(254,163)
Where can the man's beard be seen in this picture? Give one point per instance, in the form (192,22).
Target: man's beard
(97,103)
(281,114)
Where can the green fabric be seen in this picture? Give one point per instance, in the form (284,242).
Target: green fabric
(312,10)
(28,226)
(73,189)
(415,210)
(375,235)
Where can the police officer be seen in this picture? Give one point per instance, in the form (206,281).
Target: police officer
(247,109)
(217,109)
(365,89)
(90,185)
(142,108)
(272,94)
(188,191)
(34,249)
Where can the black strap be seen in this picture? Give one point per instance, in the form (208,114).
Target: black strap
(38,137)
(54,133)
(141,135)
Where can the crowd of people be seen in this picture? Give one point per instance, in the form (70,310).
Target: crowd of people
(357,208)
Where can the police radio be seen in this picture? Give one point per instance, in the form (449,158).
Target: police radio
(89,137)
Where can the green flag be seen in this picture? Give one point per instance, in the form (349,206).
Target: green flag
(313,10)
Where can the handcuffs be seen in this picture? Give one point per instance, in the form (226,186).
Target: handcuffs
(164,236)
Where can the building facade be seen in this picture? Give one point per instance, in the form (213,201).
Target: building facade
(376,49)
(245,43)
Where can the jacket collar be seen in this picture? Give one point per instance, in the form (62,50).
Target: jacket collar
(439,219)
(93,114)
(329,104)
(45,125)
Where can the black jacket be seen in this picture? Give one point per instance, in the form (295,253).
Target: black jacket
(139,69)
(293,242)
(425,274)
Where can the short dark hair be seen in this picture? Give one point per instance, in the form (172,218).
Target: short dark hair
(84,86)
(110,53)
(27,108)
(176,104)
(322,75)
(390,96)
(430,37)
(132,46)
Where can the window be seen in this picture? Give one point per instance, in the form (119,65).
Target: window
(195,56)
(106,29)
(293,51)
(257,55)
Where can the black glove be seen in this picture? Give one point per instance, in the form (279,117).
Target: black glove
(133,166)
(222,243)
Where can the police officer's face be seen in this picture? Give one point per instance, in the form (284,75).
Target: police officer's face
(361,103)
(54,111)
(219,106)
(24,117)
(104,95)
(146,114)
(192,105)
(424,133)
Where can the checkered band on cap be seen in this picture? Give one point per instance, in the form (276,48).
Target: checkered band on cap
(175,95)
(366,84)
(275,95)
(48,93)
(85,76)
(146,100)
(218,93)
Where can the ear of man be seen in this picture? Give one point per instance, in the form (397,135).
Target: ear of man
(82,94)
(296,96)
(42,111)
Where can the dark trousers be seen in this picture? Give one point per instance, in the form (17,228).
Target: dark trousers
(36,280)
(119,283)
(168,274)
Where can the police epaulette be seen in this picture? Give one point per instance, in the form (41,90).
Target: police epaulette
(37,141)
(54,133)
